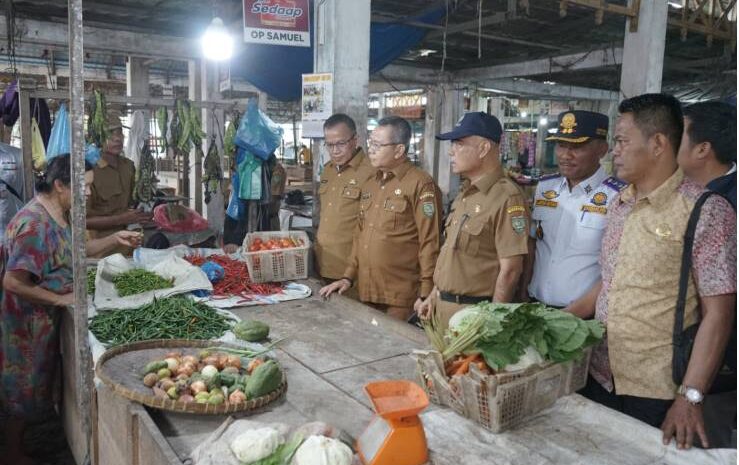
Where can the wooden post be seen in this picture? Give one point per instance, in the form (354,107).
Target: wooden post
(83,367)
(24,104)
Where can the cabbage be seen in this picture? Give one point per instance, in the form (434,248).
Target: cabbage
(320,450)
(529,358)
(256,444)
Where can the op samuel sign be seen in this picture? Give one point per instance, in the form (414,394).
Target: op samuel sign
(277,22)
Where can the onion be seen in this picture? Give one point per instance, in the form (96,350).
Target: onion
(172,363)
(198,386)
(222,360)
(165,384)
(191,359)
(175,355)
(233,361)
(237,397)
(186,398)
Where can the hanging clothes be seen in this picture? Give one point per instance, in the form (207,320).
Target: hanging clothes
(10,111)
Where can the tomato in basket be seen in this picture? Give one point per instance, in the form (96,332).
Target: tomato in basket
(286,243)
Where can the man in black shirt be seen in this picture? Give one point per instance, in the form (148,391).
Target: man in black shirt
(708,148)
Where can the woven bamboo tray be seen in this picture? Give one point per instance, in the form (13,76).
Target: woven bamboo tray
(119,368)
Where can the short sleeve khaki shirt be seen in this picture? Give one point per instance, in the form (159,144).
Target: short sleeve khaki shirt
(112,190)
(398,238)
(339,192)
(488,221)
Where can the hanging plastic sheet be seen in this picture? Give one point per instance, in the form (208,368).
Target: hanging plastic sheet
(257,133)
(61,136)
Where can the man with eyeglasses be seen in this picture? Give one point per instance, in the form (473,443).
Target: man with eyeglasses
(341,182)
(397,240)
(486,230)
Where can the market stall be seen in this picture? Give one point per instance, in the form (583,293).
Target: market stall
(332,349)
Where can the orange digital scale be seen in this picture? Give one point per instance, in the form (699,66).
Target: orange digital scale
(395,435)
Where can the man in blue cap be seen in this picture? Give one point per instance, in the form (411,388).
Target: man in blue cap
(487,228)
(569,214)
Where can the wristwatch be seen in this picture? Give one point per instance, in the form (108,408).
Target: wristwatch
(692,395)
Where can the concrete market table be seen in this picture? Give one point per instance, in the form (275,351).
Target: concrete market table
(333,348)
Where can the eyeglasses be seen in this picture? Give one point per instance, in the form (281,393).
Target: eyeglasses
(341,145)
(374,146)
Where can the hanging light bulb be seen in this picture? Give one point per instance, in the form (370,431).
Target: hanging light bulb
(217,43)
(543,121)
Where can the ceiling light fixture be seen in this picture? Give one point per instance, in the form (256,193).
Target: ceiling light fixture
(218,45)
(543,121)
(524,114)
(677,5)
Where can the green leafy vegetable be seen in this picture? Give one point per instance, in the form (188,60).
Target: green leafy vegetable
(283,454)
(506,331)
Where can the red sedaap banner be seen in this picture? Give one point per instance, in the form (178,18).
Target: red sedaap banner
(277,22)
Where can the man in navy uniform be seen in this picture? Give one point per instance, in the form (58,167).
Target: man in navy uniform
(569,212)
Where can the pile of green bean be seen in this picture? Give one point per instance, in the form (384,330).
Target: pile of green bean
(139,280)
(91,281)
(172,318)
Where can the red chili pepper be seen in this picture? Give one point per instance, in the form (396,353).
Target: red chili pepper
(236,280)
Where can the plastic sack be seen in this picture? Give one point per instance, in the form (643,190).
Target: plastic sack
(213,271)
(38,151)
(257,133)
(178,219)
(92,154)
(60,139)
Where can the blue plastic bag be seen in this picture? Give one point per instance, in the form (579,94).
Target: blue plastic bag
(61,137)
(92,154)
(213,271)
(257,133)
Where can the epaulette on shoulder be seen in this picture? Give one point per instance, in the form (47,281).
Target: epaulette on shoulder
(615,183)
(548,177)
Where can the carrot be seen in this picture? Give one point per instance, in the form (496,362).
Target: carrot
(464,367)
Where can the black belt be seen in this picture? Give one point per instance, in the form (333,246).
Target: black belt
(463,299)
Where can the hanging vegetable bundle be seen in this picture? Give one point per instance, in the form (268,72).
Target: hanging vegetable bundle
(97,130)
(146,181)
(162,122)
(212,172)
(229,140)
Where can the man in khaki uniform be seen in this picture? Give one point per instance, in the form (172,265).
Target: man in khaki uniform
(341,182)
(108,207)
(397,240)
(486,230)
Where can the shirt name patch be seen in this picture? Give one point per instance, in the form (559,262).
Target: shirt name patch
(546,203)
(426,195)
(594,209)
(516,208)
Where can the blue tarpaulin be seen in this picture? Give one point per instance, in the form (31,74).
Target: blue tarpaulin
(277,70)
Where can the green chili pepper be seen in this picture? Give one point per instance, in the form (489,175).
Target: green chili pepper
(138,280)
(172,318)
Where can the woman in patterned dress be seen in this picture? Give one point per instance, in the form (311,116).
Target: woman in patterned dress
(35,265)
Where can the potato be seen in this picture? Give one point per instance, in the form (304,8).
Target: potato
(151,379)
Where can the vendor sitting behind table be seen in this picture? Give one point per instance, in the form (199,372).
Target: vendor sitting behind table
(108,206)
